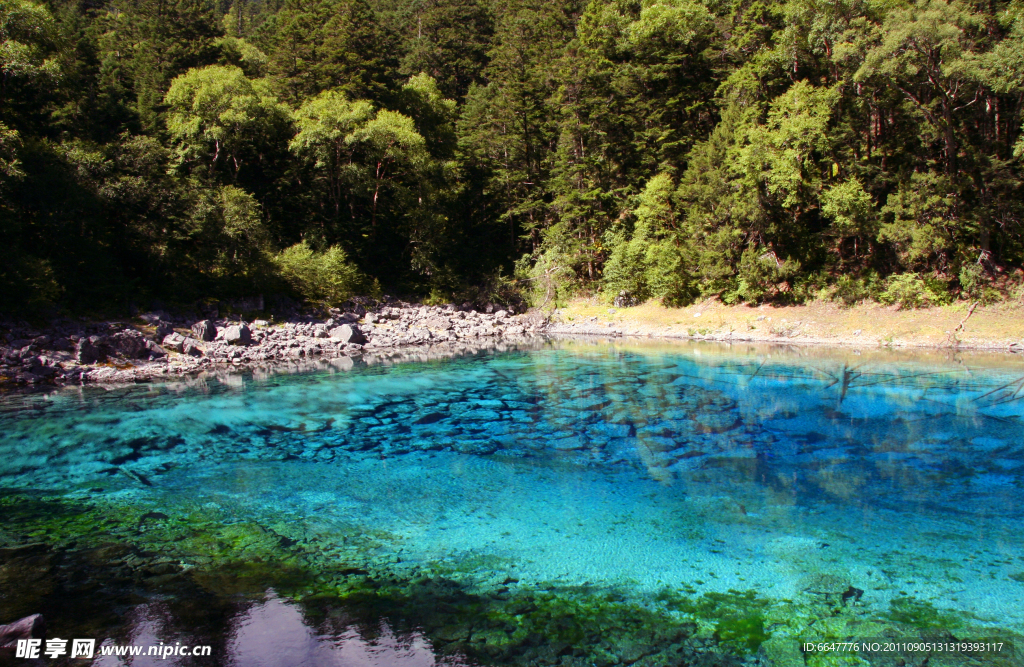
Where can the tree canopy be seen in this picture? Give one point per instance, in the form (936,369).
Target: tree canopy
(670,149)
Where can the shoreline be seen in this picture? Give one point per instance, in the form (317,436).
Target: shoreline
(159,346)
(997,328)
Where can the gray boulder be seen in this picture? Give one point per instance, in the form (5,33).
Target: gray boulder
(155,351)
(183,345)
(163,329)
(348,333)
(205,330)
(238,334)
(62,345)
(130,344)
(90,350)
(174,341)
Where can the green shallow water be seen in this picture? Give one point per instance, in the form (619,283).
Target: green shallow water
(569,502)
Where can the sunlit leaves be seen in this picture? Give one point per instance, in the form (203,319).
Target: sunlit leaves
(784,150)
(216,112)
(669,22)
(325,127)
(27,33)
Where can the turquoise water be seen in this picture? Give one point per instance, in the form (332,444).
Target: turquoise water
(457,511)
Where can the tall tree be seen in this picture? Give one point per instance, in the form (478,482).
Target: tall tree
(316,45)
(449,40)
(325,139)
(218,116)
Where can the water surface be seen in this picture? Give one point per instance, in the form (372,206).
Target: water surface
(512,506)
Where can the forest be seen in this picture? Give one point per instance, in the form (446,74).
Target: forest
(170,151)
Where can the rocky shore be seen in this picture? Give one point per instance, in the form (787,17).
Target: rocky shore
(159,345)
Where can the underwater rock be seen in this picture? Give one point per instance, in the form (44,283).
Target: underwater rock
(717,422)
(852,593)
(783,652)
(30,627)
(830,587)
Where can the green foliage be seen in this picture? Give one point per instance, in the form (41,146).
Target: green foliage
(649,262)
(672,149)
(972,279)
(922,220)
(850,208)
(217,112)
(317,45)
(325,136)
(783,152)
(321,278)
(851,290)
(239,52)
(910,290)
(27,35)
(10,142)
(449,41)
(243,221)
(548,281)
(761,273)
(28,284)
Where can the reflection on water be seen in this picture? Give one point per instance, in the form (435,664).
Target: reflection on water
(271,632)
(274,633)
(598,502)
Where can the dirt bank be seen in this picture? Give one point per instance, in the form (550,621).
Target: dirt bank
(997,327)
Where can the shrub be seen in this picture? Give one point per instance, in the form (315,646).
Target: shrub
(761,275)
(972,278)
(546,280)
(910,290)
(322,278)
(852,290)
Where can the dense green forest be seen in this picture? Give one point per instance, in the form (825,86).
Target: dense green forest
(176,150)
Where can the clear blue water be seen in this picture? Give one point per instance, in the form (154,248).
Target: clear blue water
(879,489)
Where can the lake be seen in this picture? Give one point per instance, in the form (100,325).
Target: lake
(566,502)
